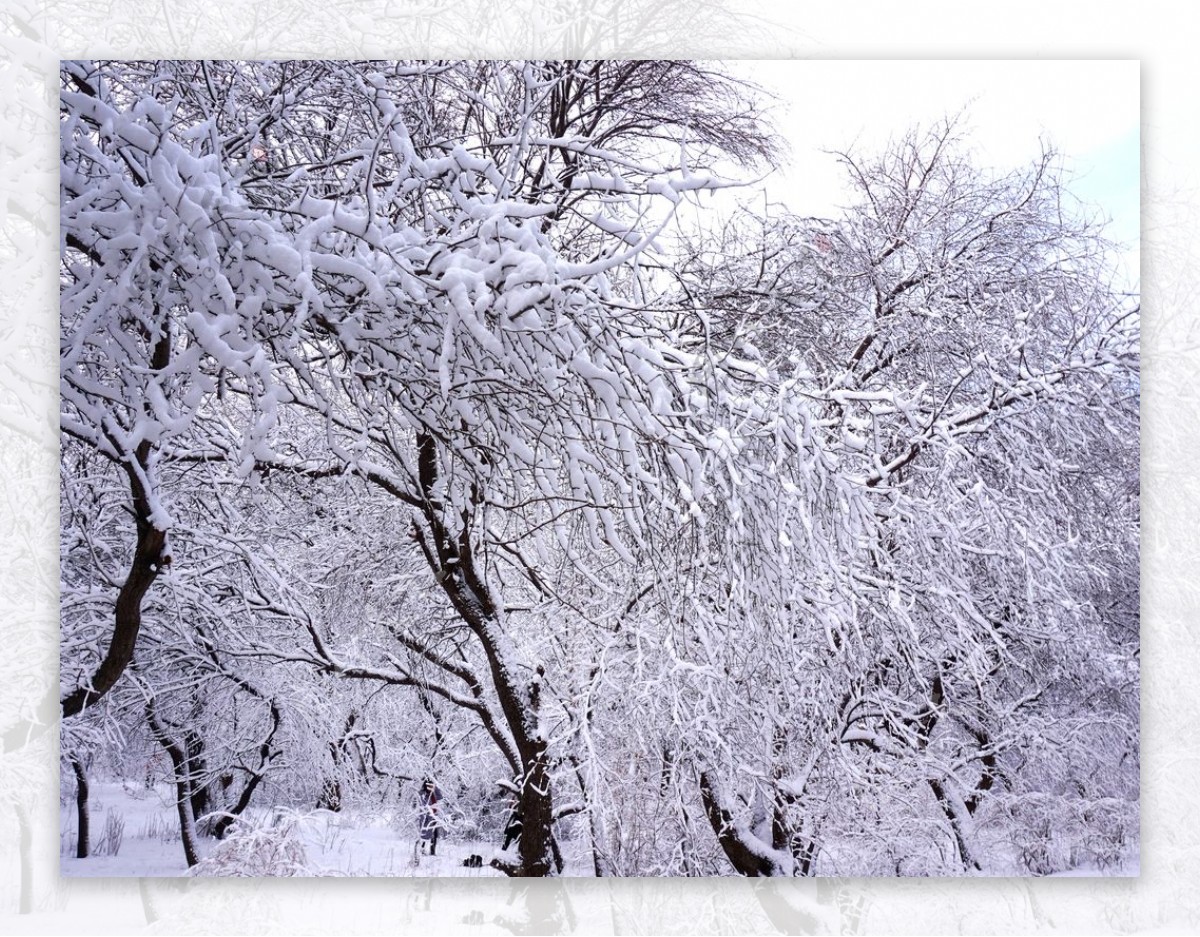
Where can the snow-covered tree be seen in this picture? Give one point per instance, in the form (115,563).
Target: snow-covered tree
(395,310)
(400,440)
(972,367)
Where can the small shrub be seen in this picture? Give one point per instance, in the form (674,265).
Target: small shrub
(254,849)
(113,836)
(159,827)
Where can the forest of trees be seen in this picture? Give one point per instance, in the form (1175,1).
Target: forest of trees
(441,419)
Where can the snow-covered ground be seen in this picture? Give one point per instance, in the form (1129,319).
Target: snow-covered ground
(320,842)
(277,841)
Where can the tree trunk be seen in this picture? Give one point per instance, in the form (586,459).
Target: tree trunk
(520,706)
(536,846)
(785,839)
(149,558)
(83,839)
(265,754)
(451,558)
(183,803)
(183,786)
(198,789)
(745,859)
(950,809)
(238,808)
(331,788)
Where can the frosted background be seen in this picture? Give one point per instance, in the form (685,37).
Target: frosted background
(36,34)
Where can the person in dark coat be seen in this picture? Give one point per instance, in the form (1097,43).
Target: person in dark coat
(429,797)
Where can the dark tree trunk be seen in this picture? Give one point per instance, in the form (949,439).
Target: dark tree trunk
(536,846)
(452,560)
(785,839)
(804,851)
(265,755)
(183,787)
(200,794)
(149,557)
(83,839)
(987,778)
(745,860)
(239,807)
(183,803)
(128,620)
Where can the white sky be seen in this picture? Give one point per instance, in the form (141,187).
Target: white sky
(1089,111)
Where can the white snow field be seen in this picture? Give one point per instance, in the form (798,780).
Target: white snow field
(271,842)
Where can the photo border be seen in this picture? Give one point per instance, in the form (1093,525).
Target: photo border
(33,897)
